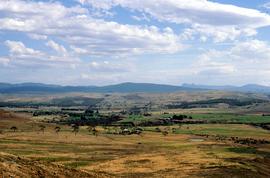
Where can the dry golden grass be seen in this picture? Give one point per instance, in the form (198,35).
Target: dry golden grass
(149,155)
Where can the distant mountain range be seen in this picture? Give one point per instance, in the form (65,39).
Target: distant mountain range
(124,88)
(118,88)
(253,88)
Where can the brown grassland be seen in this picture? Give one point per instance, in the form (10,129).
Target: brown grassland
(29,152)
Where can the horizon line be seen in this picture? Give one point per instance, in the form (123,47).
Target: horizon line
(181,84)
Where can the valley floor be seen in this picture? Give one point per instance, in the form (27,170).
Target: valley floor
(46,154)
(198,150)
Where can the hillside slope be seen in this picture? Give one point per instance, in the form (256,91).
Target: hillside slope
(13,166)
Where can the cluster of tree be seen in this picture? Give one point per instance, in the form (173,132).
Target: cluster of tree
(265,126)
(238,140)
(180,117)
(175,119)
(90,118)
(92,130)
(44,112)
(206,103)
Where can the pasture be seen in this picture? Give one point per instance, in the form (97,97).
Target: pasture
(39,139)
(182,153)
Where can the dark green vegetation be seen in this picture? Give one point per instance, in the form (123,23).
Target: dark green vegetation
(212,102)
(231,118)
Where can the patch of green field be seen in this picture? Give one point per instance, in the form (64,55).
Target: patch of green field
(178,146)
(53,159)
(76,164)
(242,150)
(22,151)
(239,130)
(137,118)
(248,150)
(28,142)
(232,118)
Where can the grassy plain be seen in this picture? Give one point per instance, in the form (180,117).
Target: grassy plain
(30,152)
(179,154)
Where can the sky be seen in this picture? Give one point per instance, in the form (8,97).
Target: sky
(102,42)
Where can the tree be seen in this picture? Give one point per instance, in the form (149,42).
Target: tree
(75,128)
(14,128)
(138,131)
(89,128)
(95,131)
(42,128)
(57,129)
(165,133)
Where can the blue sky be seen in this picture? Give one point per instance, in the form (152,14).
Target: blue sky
(100,42)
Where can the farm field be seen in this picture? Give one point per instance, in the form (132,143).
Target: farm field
(184,152)
(135,135)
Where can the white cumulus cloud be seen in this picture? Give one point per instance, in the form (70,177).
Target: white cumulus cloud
(217,20)
(25,56)
(57,47)
(75,27)
(17,47)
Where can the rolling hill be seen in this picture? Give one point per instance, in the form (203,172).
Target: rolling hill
(118,88)
(125,88)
